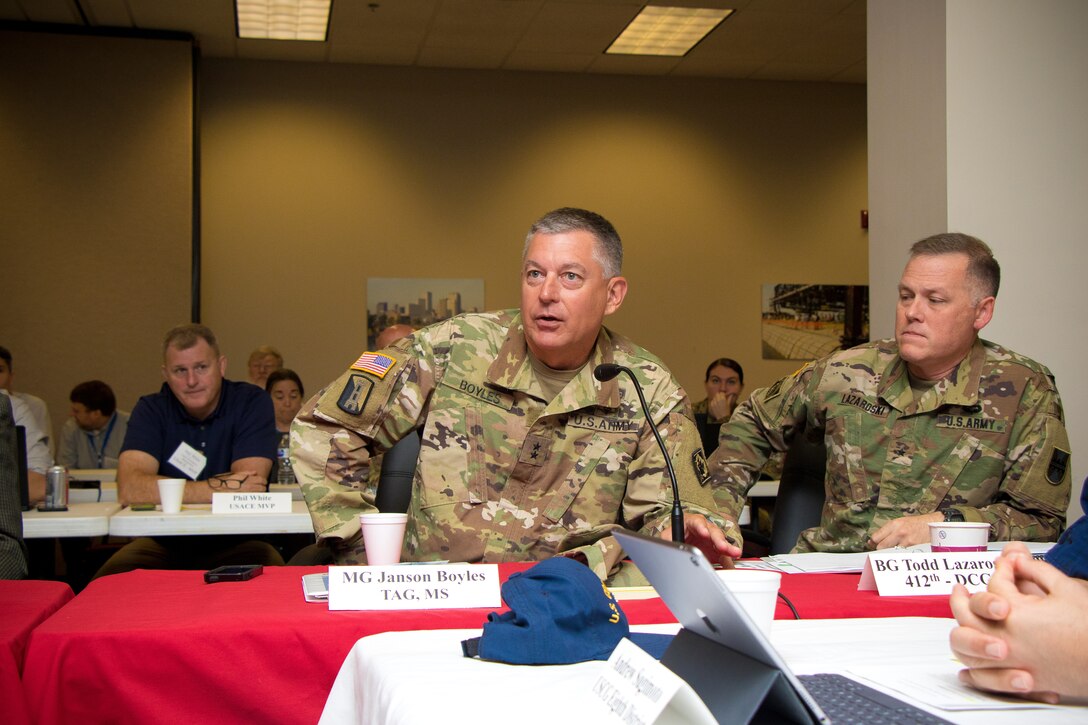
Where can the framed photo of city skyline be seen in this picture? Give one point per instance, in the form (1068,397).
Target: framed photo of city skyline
(808,321)
(418,301)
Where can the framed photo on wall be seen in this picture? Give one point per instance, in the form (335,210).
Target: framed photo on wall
(808,321)
(418,301)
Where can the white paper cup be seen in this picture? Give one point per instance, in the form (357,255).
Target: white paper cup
(947,536)
(757,592)
(171,493)
(383,536)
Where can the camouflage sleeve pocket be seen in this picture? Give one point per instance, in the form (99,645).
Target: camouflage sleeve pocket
(970,475)
(1047,476)
(848,449)
(454,461)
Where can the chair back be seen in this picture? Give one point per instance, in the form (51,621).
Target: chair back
(800,491)
(22,471)
(13,553)
(708,432)
(398,470)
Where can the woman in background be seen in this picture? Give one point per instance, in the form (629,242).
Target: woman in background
(724,384)
(286,390)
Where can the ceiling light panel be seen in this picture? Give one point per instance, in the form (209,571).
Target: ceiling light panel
(283,19)
(666,30)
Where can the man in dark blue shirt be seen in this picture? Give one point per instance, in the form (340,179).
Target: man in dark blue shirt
(1070,554)
(217,434)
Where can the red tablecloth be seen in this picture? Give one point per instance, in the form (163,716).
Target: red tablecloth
(154,646)
(23,605)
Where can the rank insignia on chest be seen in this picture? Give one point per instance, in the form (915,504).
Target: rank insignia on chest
(354,395)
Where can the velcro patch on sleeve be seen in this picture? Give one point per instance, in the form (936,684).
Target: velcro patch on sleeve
(375,363)
(699,464)
(354,394)
(1055,470)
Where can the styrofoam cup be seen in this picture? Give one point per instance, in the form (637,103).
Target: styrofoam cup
(171,493)
(757,592)
(383,537)
(958,536)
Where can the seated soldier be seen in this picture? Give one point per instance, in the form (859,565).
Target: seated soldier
(525,454)
(933,425)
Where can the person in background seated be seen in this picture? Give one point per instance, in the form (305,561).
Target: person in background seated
(724,384)
(92,437)
(13,557)
(1027,634)
(933,425)
(35,405)
(391,334)
(198,424)
(263,361)
(286,389)
(38,458)
(525,454)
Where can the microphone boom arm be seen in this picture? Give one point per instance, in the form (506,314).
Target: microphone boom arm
(607,371)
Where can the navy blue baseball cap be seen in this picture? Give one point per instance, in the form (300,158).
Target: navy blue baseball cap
(560,613)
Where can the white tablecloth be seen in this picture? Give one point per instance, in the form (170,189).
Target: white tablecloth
(421,677)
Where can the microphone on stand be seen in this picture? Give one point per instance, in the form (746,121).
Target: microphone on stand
(605,372)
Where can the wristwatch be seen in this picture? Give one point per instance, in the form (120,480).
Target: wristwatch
(951,514)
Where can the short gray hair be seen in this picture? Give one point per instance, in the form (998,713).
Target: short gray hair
(608,251)
(185,336)
(982,268)
(264,351)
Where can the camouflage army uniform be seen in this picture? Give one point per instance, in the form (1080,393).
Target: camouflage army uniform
(502,476)
(988,441)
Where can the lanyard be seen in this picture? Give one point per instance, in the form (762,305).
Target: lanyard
(100,454)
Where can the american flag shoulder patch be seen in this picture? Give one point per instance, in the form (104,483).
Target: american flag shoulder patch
(374,363)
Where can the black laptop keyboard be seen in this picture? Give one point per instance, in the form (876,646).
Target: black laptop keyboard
(847,701)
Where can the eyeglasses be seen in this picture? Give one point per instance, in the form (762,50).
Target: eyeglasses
(223,480)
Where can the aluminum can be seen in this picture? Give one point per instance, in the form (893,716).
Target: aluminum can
(56,488)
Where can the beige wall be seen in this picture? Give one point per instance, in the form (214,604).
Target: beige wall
(95,209)
(316,177)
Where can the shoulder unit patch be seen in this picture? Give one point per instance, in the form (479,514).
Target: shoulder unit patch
(354,395)
(1055,470)
(702,470)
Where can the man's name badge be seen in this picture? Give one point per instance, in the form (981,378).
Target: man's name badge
(188,460)
(414,586)
(913,573)
(251,503)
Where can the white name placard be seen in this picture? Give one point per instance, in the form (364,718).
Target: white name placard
(910,573)
(251,503)
(414,586)
(636,688)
